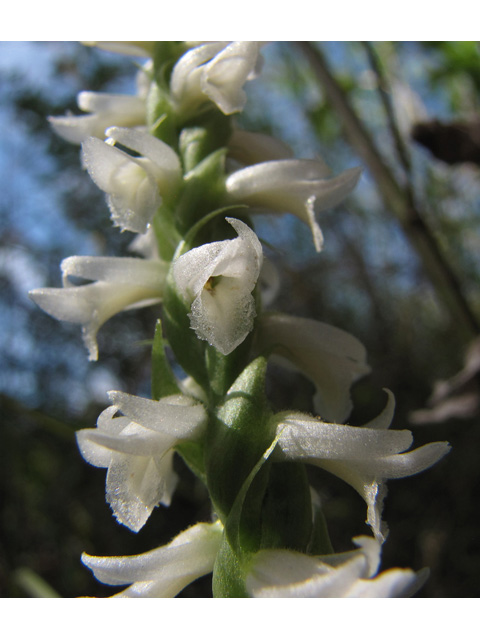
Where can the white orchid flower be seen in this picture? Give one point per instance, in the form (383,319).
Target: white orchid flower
(290,574)
(364,457)
(215,71)
(163,572)
(217,279)
(333,359)
(135,186)
(119,284)
(137,449)
(104,110)
(301,187)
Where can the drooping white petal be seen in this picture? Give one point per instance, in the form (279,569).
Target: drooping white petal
(133,185)
(163,572)
(290,574)
(217,279)
(91,305)
(214,71)
(225,75)
(364,457)
(104,111)
(333,359)
(135,485)
(137,449)
(163,161)
(301,187)
(173,416)
(185,81)
(122,283)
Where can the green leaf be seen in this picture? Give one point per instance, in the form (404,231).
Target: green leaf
(223,370)
(193,454)
(228,576)
(164,382)
(161,115)
(286,515)
(166,233)
(203,192)
(199,141)
(165,55)
(238,435)
(188,349)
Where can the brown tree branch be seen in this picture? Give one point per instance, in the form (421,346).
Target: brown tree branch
(396,199)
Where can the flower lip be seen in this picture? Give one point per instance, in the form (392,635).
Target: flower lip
(301,187)
(217,280)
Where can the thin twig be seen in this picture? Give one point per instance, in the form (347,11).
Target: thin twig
(384,94)
(395,198)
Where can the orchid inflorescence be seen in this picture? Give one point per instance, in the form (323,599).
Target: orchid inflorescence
(178,173)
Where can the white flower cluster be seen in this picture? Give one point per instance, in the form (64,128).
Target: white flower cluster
(135,438)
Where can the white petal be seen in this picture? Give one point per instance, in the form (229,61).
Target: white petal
(394,583)
(224,316)
(165,162)
(105,110)
(301,187)
(405,464)
(135,485)
(310,439)
(186,74)
(287,574)
(361,456)
(165,571)
(96,102)
(222,313)
(226,74)
(280,574)
(333,359)
(150,273)
(132,192)
(176,416)
(385,417)
(91,305)
(140,442)
(137,449)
